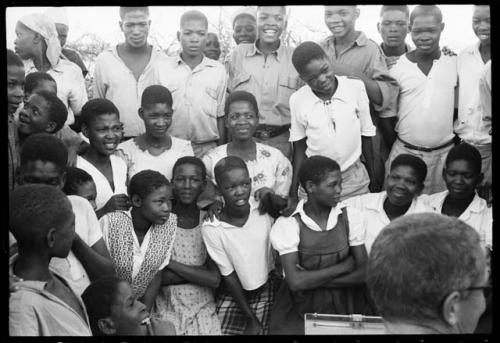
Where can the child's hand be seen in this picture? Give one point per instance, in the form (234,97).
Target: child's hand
(118,202)
(447,51)
(261,192)
(253,327)
(214,211)
(291,205)
(160,327)
(13,281)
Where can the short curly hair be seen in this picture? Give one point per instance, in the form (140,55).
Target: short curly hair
(75,177)
(315,169)
(146,182)
(44,147)
(58,113)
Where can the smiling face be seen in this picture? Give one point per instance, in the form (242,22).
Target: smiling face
(104,133)
(403,185)
(341,20)
(393,28)
(135,27)
(212,47)
(188,183)
(481,23)
(235,186)
(24,45)
(156,207)
(319,75)
(193,37)
(34,117)
(271,21)
(15,87)
(245,29)
(425,33)
(242,120)
(127,313)
(157,119)
(461,179)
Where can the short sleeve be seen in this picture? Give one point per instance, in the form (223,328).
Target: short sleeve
(356,226)
(208,160)
(188,149)
(215,248)
(297,125)
(363,107)
(285,235)
(283,175)
(22,320)
(86,222)
(104,225)
(221,96)
(379,72)
(122,152)
(78,95)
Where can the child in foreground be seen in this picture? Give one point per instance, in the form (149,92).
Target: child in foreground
(79,182)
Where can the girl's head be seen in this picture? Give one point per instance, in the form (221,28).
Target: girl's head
(156,110)
(322,180)
(405,180)
(189,179)
(101,125)
(151,195)
(111,307)
(79,182)
(462,172)
(233,180)
(242,115)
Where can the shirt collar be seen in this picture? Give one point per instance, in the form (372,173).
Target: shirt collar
(361,40)
(340,92)
(334,211)
(378,204)
(254,206)
(205,62)
(477,205)
(278,53)
(474,49)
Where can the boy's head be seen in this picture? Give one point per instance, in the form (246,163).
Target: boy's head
(151,194)
(193,33)
(79,182)
(15,81)
(39,81)
(406,178)
(241,115)
(101,125)
(462,171)
(271,22)
(245,26)
(156,110)
(188,178)
(394,24)
(112,308)
(135,24)
(481,23)
(314,67)
(321,179)
(341,20)
(212,46)
(233,181)
(43,111)
(426,25)
(43,160)
(41,219)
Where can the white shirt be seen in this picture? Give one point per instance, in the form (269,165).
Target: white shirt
(71,87)
(478,214)
(103,188)
(198,95)
(138,160)
(375,218)
(87,227)
(285,234)
(270,168)
(470,68)
(139,249)
(425,103)
(332,130)
(245,250)
(114,81)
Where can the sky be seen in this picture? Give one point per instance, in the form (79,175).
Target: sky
(306,21)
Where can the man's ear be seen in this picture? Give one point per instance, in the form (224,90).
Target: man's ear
(85,130)
(480,178)
(179,36)
(442,27)
(378,27)
(120,23)
(310,186)
(37,38)
(106,326)
(141,112)
(50,238)
(356,13)
(63,179)
(451,308)
(136,200)
(51,127)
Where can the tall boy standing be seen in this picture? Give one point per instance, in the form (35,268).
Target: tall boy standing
(198,86)
(122,73)
(428,80)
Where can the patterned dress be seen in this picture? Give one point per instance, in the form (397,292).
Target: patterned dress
(190,307)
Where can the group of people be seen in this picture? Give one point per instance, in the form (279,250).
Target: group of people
(191,196)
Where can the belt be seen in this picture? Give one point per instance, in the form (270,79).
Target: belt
(268,131)
(420,148)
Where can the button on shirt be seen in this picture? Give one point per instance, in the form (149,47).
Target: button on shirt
(285,234)
(425,103)
(245,250)
(70,85)
(478,214)
(198,95)
(333,129)
(375,218)
(272,79)
(470,69)
(114,81)
(364,54)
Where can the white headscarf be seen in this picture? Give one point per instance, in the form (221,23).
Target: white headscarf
(43,25)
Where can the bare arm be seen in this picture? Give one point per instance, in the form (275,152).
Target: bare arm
(95,259)
(149,296)
(222,131)
(299,279)
(206,275)
(387,129)
(299,155)
(169,277)
(355,277)
(367,151)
